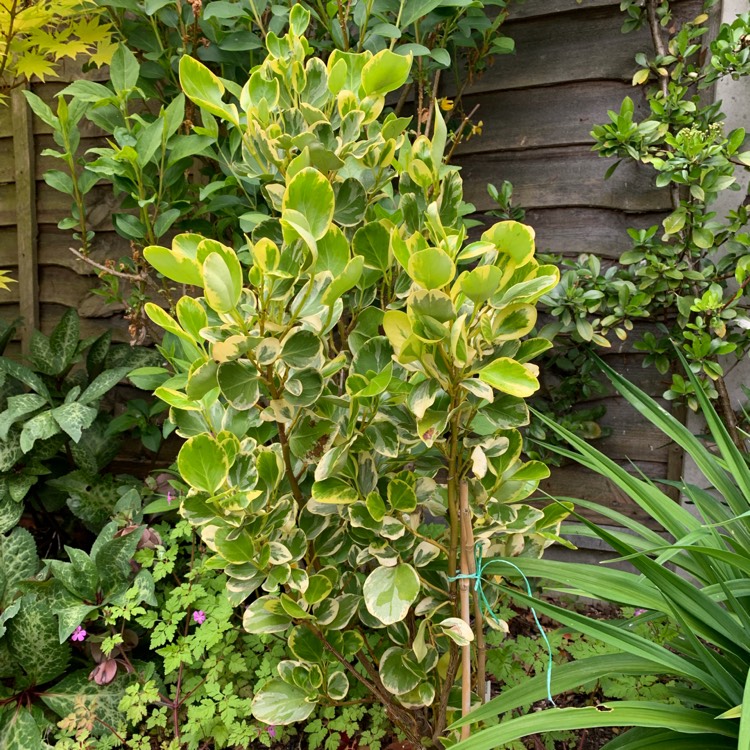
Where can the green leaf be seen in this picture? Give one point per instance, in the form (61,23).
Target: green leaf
(511,377)
(351,202)
(76,690)
(280,703)
(124,69)
(205,89)
(19,407)
(415,10)
(385,72)
(744,739)
(203,463)
(18,561)
(10,513)
(40,427)
(396,677)
(372,242)
(565,677)
(301,349)
(611,714)
(318,588)
(337,686)
(73,418)
(238,381)
(389,592)
(431,268)
(310,194)
(345,281)
(20,731)
(513,239)
(334,491)
(221,286)
(258,619)
(174,265)
(102,384)
(481,283)
(305,645)
(33,640)
(64,339)
(675,222)
(24,375)
(333,252)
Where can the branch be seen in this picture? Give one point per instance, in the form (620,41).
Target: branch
(136,277)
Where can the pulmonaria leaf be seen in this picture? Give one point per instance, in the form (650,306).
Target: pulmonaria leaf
(102,701)
(40,427)
(19,407)
(91,497)
(33,640)
(10,513)
(20,731)
(18,561)
(74,418)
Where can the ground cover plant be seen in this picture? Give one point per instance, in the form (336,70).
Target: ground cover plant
(339,474)
(701,592)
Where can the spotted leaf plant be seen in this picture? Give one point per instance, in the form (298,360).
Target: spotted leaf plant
(353,389)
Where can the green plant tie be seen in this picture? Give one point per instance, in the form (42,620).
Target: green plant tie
(480,567)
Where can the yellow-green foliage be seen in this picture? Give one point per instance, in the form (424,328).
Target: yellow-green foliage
(35,35)
(6,281)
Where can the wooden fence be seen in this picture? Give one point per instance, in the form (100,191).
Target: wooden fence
(571,65)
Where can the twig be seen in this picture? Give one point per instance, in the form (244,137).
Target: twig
(457,136)
(402,99)
(143,276)
(662,51)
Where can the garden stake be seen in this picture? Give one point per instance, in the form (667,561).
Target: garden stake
(467,549)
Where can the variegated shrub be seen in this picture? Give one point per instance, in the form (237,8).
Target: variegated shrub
(343,388)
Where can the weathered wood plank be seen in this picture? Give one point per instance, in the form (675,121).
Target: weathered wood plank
(53,205)
(58,286)
(26,232)
(542,117)
(576,46)
(572,231)
(561,177)
(532,8)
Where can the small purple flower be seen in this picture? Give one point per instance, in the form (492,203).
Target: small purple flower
(199,616)
(271,730)
(639,612)
(170,497)
(79,634)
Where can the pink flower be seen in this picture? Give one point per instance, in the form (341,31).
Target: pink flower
(79,634)
(170,497)
(271,730)
(199,616)
(638,612)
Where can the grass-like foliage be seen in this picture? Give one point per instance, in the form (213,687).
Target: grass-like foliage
(698,576)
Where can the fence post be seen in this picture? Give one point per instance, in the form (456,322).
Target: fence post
(26,225)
